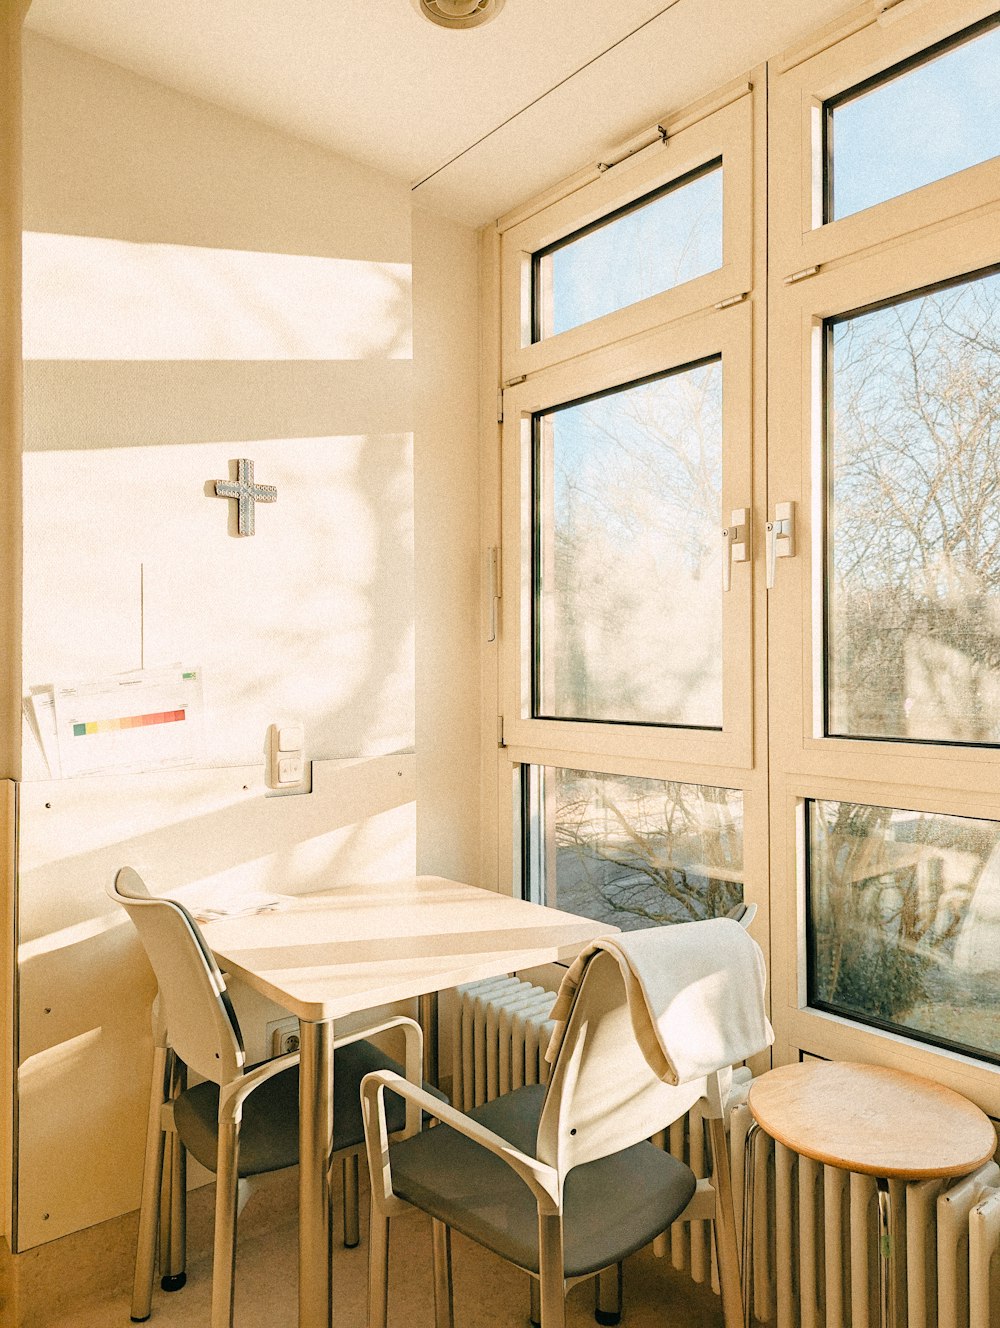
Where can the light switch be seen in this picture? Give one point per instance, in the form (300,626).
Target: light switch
(286,767)
(290,738)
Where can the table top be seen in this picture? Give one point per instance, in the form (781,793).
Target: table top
(871,1119)
(322,956)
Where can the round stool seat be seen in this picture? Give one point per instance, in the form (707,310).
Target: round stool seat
(873,1120)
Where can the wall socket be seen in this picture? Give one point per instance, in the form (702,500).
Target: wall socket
(283,1036)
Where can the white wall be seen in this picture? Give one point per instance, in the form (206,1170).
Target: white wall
(199,288)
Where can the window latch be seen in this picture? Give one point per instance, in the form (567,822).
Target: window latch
(735,544)
(780,538)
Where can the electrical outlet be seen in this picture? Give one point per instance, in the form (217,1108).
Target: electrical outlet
(283,1035)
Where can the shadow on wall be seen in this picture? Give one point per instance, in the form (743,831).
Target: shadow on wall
(199,288)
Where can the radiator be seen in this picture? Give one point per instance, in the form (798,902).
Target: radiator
(815,1243)
(500,1030)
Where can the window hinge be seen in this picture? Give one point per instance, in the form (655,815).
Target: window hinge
(500,741)
(511,382)
(733,299)
(801,276)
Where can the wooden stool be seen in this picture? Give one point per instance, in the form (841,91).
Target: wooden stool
(868,1119)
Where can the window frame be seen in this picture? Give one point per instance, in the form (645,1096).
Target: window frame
(932,236)
(724,135)
(799,237)
(725,333)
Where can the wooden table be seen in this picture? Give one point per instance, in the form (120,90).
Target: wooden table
(327,955)
(871,1120)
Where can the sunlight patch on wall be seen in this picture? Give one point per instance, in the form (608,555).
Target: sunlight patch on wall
(90,298)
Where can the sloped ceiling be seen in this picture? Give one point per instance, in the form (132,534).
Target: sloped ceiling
(477,120)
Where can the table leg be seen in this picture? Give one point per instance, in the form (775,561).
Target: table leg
(315,1151)
(429,1024)
(887,1315)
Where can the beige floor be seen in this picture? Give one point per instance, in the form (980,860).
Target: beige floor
(487,1292)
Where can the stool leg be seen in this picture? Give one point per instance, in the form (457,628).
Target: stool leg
(749,1187)
(887,1308)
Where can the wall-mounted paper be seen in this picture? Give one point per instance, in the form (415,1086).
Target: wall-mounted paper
(147,720)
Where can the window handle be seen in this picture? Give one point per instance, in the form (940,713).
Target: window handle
(780,538)
(735,544)
(493,580)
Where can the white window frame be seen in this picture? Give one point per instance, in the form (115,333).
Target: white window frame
(725,332)
(801,84)
(935,234)
(724,134)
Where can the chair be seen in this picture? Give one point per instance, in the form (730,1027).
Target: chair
(241,1121)
(560,1179)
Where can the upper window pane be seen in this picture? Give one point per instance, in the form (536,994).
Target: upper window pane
(649,247)
(913,530)
(914,125)
(628,602)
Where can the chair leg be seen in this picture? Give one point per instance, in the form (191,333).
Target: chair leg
(378,1268)
(152,1179)
(352,1231)
(535,1305)
(608,1295)
(173,1211)
(173,1248)
(224,1251)
(444,1311)
(551,1271)
(726,1248)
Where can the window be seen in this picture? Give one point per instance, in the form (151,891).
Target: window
(874,150)
(913,455)
(647,247)
(904,922)
(631,851)
(750,626)
(627,501)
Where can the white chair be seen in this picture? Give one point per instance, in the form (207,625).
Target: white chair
(241,1121)
(560,1180)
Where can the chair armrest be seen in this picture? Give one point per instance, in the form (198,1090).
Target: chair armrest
(542,1180)
(234,1094)
(413,1061)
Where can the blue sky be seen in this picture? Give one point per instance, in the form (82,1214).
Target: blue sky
(936,119)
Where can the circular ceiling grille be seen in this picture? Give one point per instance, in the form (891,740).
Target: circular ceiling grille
(459,13)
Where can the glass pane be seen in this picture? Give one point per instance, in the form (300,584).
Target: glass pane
(628,502)
(913,596)
(904,922)
(670,237)
(633,852)
(873,150)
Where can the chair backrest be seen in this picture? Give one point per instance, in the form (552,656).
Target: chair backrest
(201,1024)
(602,1095)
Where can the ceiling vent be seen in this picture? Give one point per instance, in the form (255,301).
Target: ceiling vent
(459,13)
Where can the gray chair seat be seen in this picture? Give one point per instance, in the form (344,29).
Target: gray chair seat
(269,1136)
(613,1206)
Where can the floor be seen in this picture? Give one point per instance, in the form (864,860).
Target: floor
(487,1292)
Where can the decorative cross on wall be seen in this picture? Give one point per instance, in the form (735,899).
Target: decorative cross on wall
(246,493)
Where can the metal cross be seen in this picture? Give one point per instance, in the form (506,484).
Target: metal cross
(246,493)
